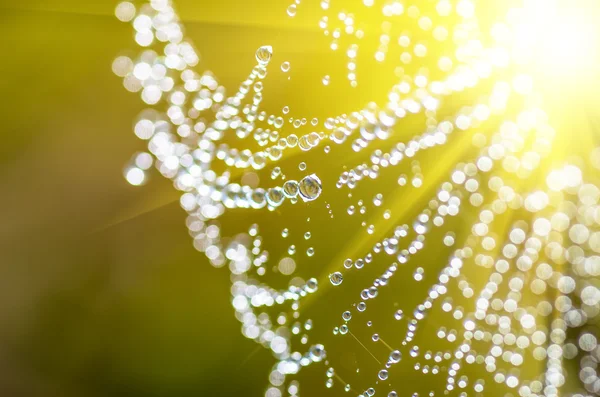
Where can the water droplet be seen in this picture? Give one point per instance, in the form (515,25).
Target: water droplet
(336,278)
(276,172)
(285,67)
(263,54)
(312,285)
(275,196)
(317,353)
(326,80)
(378,199)
(310,187)
(395,356)
(383,374)
(302,166)
(292,140)
(290,188)
(291,10)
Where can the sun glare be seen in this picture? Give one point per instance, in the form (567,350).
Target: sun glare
(556,37)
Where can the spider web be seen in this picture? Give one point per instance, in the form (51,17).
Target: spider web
(470,267)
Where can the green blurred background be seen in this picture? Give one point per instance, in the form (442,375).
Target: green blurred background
(101,290)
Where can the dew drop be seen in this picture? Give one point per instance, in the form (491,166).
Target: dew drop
(336,278)
(395,356)
(383,374)
(310,187)
(263,54)
(290,189)
(291,10)
(276,172)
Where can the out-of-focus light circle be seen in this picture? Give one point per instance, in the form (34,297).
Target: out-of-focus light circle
(125,11)
(135,176)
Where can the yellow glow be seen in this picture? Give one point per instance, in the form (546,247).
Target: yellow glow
(558,37)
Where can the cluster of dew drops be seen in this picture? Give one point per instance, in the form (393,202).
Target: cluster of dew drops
(556,248)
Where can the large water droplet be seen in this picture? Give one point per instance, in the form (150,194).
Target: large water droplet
(395,356)
(336,278)
(275,196)
(310,187)
(290,188)
(263,54)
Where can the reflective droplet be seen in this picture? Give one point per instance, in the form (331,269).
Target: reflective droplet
(395,356)
(292,140)
(285,67)
(263,54)
(290,188)
(275,196)
(336,278)
(317,353)
(399,315)
(312,285)
(383,374)
(310,187)
(291,10)
(276,172)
